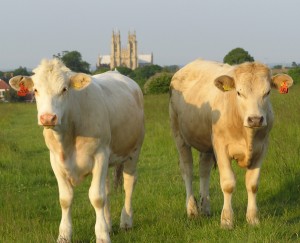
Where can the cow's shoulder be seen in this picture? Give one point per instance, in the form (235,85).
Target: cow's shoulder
(200,73)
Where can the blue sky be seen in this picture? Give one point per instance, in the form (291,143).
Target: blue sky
(176,32)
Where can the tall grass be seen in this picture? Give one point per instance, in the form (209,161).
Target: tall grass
(30,211)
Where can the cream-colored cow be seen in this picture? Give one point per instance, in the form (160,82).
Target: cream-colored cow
(225,113)
(90,122)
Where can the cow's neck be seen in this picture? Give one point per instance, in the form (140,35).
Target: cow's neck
(244,153)
(63,134)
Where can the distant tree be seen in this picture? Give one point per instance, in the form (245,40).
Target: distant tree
(101,70)
(21,71)
(141,74)
(73,60)
(237,56)
(171,68)
(158,83)
(295,74)
(124,70)
(277,67)
(294,64)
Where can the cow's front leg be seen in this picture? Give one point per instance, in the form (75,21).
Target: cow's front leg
(65,199)
(97,195)
(252,178)
(227,181)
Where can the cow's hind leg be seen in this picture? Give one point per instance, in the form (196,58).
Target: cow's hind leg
(130,178)
(107,204)
(185,163)
(97,195)
(206,162)
(186,167)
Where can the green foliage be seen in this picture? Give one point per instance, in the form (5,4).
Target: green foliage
(101,70)
(277,67)
(158,83)
(73,60)
(237,56)
(21,71)
(141,74)
(171,68)
(295,74)
(125,71)
(29,193)
(294,64)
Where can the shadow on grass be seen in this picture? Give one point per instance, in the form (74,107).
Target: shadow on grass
(285,201)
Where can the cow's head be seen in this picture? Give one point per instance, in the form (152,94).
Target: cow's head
(51,83)
(252,84)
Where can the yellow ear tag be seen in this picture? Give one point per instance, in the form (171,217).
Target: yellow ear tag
(76,85)
(226,87)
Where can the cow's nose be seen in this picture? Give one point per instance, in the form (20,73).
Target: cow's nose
(255,121)
(48,119)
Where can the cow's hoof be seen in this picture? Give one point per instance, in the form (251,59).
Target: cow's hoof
(227,219)
(226,225)
(205,207)
(126,220)
(192,208)
(253,221)
(63,239)
(102,241)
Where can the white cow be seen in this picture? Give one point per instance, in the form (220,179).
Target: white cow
(90,122)
(225,113)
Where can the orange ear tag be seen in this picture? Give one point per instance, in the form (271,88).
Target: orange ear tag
(23,90)
(284,89)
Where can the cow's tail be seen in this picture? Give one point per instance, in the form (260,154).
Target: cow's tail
(118,176)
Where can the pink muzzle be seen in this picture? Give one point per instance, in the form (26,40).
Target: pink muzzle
(48,120)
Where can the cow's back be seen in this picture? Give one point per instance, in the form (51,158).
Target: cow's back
(193,98)
(124,102)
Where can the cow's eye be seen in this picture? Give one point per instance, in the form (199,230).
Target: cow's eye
(238,93)
(266,94)
(64,90)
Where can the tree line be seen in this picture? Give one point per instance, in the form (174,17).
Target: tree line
(152,79)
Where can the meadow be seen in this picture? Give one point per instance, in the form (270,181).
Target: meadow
(30,211)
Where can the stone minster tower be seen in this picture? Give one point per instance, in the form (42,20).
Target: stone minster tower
(132,51)
(115,56)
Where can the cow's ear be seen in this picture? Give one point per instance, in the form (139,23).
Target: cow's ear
(279,79)
(80,81)
(17,81)
(225,83)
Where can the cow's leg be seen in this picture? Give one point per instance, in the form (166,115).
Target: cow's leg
(185,163)
(129,177)
(206,162)
(65,199)
(186,167)
(107,204)
(252,179)
(97,195)
(227,181)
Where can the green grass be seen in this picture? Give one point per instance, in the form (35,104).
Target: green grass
(30,211)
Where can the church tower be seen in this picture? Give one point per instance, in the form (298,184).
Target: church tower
(115,56)
(132,49)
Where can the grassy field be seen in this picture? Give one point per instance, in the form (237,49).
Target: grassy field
(30,211)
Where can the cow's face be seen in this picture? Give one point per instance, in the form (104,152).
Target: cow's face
(252,83)
(51,86)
